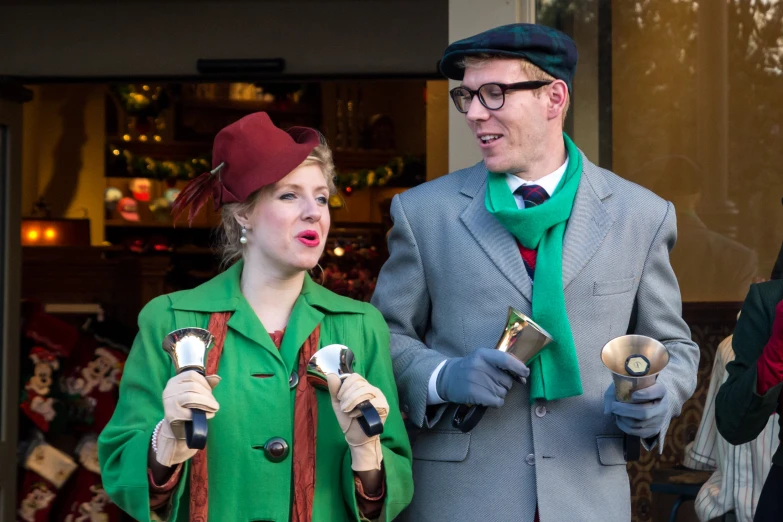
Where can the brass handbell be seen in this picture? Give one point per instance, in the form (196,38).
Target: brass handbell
(616,355)
(523,339)
(187,348)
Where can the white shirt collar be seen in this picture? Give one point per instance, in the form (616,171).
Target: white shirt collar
(548,182)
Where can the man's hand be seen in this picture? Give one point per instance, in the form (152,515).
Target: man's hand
(644,417)
(480,378)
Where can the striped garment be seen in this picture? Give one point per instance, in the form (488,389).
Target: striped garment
(740,471)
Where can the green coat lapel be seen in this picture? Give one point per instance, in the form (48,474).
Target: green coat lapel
(304,319)
(245,322)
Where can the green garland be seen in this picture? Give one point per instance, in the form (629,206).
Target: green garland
(146,102)
(135,166)
(379,176)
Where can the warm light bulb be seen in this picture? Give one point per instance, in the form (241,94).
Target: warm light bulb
(339,251)
(116,152)
(50,233)
(32,235)
(126,137)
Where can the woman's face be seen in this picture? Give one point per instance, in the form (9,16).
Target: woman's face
(287,229)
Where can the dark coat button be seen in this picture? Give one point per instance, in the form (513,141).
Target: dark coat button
(293,380)
(276,449)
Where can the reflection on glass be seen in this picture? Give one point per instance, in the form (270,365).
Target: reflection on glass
(709,266)
(701,81)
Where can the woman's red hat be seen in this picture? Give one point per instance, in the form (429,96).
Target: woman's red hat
(246,156)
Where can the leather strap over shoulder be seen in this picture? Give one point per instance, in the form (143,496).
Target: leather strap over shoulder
(199,475)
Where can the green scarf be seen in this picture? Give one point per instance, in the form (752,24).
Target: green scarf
(554,373)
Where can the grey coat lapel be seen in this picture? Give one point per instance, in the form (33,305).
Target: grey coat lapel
(589,222)
(496,241)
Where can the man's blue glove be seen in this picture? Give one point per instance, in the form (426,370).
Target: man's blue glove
(479,378)
(644,417)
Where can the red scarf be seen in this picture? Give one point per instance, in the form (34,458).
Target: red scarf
(305,431)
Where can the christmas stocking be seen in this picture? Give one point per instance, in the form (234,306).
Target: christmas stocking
(52,333)
(36,402)
(83,498)
(47,469)
(92,388)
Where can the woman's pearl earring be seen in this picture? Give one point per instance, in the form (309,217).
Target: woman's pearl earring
(243,236)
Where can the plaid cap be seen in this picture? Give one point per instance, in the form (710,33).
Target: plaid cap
(549,49)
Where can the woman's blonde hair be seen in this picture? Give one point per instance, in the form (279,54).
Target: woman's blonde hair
(228,244)
(534,72)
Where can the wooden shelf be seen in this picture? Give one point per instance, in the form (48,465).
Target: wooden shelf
(121,223)
(354,159)
(249,106)
(166,150)
(193,250)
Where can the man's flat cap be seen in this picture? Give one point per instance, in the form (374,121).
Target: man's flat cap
(549,49)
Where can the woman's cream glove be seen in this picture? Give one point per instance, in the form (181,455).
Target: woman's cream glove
(366,452)
(184,391)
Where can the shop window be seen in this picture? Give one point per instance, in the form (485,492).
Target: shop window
(682,97)
(114,157)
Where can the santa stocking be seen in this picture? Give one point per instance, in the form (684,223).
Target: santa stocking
(83,498)
(52,333)
(36,402)
(47,470)
(91,386)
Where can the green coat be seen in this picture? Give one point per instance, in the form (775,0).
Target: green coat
(740,412)
(256,404)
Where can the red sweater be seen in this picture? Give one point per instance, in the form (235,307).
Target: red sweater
(529,257)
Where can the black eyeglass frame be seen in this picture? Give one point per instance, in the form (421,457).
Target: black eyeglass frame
(504,87)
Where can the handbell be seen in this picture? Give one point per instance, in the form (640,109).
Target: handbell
(187,348)
(522,338)
(635,362)
(338,360)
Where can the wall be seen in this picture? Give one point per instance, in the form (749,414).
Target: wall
(466,20)
(584,103)
(438,103)
(63,157)
(52,38)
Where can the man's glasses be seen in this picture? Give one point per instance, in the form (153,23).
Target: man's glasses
(491,95)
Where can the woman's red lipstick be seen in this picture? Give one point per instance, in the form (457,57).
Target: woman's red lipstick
(309,238)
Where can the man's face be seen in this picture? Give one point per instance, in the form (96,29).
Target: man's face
(512,137)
